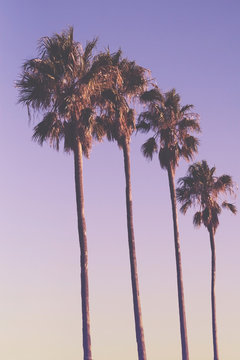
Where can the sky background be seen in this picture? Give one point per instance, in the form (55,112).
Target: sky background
(192,46)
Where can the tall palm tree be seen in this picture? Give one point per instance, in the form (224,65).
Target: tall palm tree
(171,124)
(201,187)
(118,123)
(63,84)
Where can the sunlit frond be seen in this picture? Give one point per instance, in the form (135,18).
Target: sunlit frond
(130,119)
(88,51)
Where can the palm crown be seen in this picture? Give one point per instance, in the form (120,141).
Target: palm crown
(65,82)
(171,125)
(201,187)
(118,119)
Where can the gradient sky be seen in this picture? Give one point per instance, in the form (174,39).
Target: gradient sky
(190,45)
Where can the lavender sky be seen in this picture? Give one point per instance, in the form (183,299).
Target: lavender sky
(190,45)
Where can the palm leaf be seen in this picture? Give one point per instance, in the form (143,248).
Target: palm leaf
(143,126)
(98,129)
(189,124)
(230,207)
(49,129)
(149,147)
(186,108)
(185,206)
(152,95)
(223,184)
(87,55)
(197,219)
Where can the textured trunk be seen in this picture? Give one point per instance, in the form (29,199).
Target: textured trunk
(133,260)
(213,299)
(83,249)
(182,316)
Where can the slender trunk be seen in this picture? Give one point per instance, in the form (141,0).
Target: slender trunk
(182,316)
(133,259)
(213,298)
(83,249)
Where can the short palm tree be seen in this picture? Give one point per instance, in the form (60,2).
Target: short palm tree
(63,84)
(171,125)
(202,188)
(118,124)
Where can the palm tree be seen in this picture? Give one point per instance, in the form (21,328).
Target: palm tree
(118,123)
(171,125)
(202,188)
(63,83)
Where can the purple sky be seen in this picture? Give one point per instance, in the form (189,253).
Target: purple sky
(190,45)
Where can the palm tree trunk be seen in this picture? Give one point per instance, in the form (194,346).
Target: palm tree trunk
(182,315)
(133,259)
(213,298)
(78,162)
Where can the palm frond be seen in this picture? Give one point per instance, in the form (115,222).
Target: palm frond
(185,206)
(87,55)
(183,192)
(130,119)
(98,129)
(116,57)
(198,219)
(230,207)
(134,77)
(149,148)
(223,184)
(164,157)
(151,117)
(189,124)
(110,96)
(189,148)
(34,91)
(186,108)
(152,95)
(143,126)
(172,100)
(49,129)
(86,118)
